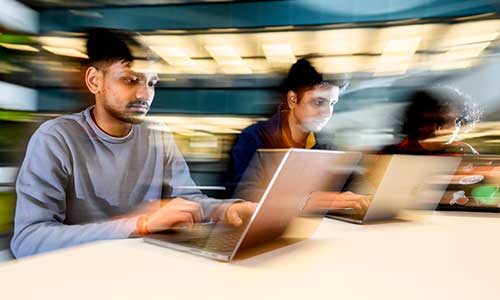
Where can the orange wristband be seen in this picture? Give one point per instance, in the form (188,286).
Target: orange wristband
(142,230)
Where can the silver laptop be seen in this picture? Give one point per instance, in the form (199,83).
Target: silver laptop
(397,182)
(280,181)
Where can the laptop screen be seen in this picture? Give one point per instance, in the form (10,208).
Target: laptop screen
(475,186)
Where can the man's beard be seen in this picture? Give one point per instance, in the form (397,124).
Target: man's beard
(128,117)
(314,125)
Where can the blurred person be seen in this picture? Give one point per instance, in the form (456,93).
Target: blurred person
(103,173)
(431,113)
(428,114)
(306,108)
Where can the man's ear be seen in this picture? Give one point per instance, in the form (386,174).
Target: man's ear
(93,80)
(291,99)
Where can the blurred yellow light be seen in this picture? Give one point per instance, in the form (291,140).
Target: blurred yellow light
(201,66)
(226,55)
(230,62)
(259,65)
(397,55)
(279,53)
(163,40)
(471,32)
(171,51)
(458,57)
(408,46)
(221,130)
(478,27)
(346,64)
(175,56)
(393,59)
(222,51)
(213,124)
(422,34)
(472,39)
(466,51)
(492,142)
(60,42)
(19,47)
(65,51)
(341,41)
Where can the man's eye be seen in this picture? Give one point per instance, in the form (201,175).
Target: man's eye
(152,83)
(131,80)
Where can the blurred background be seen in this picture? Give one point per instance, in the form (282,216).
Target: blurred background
(222,62)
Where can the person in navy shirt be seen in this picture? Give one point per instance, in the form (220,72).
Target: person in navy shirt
(307,106)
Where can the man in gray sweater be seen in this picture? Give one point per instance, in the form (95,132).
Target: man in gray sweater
(104,173)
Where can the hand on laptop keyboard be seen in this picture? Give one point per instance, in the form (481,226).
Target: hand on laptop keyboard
(171,213)
(239,213)
(321,201)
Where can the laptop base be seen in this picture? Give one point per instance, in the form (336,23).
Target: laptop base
(224,257)
(346,219)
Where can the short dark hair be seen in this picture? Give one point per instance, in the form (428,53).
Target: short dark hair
(301,77)
(107,46)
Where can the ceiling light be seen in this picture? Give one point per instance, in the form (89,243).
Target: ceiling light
(19,47)
(175,56)
(65,51)
(279,53)
(225,55)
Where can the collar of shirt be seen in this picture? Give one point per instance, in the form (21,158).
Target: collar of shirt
(103,135)
(286,135)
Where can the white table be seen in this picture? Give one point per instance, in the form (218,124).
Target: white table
(442,257)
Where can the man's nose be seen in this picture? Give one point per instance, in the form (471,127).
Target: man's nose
(144,92)
(327,111)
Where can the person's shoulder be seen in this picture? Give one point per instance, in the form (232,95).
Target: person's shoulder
(60,125)
(55,134)
(154,127)
(261,127)
(251,129)
(254,132)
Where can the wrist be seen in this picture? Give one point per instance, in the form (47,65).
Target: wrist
(142,225)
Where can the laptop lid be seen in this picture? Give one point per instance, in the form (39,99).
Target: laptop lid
(295,174)
(411,182)
(396,182)
(301,172)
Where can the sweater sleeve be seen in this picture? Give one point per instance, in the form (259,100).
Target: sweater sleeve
(41,203)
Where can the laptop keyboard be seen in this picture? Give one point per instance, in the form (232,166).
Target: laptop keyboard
(221,242)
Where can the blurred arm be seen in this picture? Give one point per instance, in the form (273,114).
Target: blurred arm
(41,203)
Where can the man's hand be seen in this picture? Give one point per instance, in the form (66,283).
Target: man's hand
(172,213)
(334,200)
(239,213)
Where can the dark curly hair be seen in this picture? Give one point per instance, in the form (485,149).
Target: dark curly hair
(432,107)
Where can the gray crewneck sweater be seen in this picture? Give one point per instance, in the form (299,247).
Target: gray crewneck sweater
(77,184)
